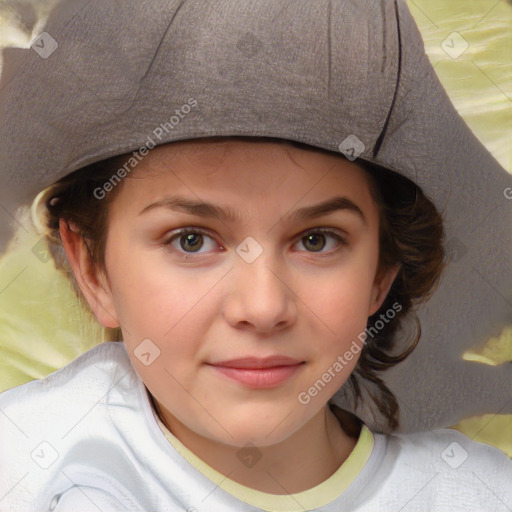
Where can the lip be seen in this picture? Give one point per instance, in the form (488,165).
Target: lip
(258,363)
(259,378)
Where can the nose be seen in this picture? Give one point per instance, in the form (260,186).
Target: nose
(261,298)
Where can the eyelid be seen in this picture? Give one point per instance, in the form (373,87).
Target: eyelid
(339,235)
(176,233)
(337,232)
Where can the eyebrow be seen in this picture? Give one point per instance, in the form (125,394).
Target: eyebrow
(208,210)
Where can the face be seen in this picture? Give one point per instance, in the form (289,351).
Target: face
(272,275)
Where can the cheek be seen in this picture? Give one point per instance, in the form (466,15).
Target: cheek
(150,293)
(171,306)
(340,331)
(338,310)
(342,298)
(337,331)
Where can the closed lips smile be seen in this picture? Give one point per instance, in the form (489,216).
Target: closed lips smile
(259,377)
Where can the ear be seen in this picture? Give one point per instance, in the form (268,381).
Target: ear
(90,279)
(381,286)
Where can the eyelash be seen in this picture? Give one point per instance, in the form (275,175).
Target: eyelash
(185,231)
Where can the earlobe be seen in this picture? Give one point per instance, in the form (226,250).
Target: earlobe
(381,288)
(95,290)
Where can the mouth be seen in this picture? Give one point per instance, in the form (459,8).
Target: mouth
(257,363)
(259,378)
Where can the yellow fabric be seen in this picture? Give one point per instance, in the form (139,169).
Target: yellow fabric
(310,499)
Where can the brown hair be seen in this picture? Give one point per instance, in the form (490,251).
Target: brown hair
(411,236)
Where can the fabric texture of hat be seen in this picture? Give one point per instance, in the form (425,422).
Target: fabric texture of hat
(349,76)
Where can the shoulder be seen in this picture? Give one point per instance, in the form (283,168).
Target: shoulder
(28,408)
(444,468)
(448,448)
(99,361)
(48,425)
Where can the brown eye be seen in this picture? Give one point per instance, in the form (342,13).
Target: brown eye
(317,240)
(191,240)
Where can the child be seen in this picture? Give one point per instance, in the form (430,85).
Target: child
(256,253)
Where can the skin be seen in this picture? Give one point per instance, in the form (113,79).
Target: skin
(300,299)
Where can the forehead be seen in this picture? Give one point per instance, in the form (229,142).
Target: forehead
(247,174)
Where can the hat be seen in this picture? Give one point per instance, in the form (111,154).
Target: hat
(350,76)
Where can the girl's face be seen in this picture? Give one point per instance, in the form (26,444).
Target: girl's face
(252,277)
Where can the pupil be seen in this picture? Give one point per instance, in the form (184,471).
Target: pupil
(315,239)
(192,240)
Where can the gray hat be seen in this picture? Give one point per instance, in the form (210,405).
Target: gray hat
(345,75)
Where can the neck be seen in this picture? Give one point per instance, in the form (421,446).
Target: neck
(304,460)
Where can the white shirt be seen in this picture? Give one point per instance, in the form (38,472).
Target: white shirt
(86,439)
